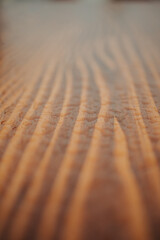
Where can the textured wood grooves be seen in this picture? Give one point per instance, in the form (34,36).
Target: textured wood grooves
(79,120)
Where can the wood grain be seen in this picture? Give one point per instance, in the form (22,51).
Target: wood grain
(79,120)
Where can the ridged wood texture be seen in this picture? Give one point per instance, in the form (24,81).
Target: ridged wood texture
(80,120)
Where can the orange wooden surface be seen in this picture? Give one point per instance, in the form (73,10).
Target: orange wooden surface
(79,120)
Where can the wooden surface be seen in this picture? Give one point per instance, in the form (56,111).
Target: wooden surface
(79,120)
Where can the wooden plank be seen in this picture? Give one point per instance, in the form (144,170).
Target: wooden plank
(79,120)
